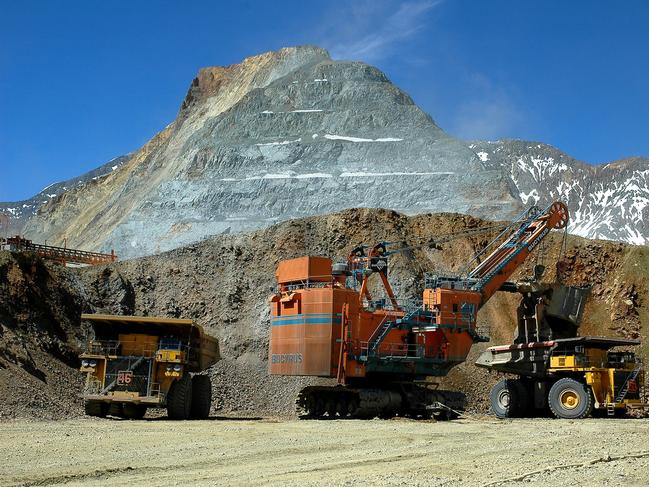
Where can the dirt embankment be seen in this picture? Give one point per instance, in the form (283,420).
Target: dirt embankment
(223,283)
(40,308)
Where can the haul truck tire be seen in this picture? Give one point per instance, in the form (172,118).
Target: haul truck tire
(524,398)
(179,399)
(133,411)
(508,398)
(570,399)
(116,409)
(98,409)
(201,397)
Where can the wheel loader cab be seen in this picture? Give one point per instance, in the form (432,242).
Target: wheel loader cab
(133,363)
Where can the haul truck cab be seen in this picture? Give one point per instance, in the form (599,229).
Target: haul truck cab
(133,363)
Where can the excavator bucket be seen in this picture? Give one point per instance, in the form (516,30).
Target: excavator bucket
(566,308)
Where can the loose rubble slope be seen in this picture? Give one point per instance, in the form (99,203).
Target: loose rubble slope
(224,283)
(40,310)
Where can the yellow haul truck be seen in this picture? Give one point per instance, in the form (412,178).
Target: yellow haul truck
(571,375)
(133,363)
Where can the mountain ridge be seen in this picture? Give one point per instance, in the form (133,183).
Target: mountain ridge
(293,133)
(19,212)
(608,201)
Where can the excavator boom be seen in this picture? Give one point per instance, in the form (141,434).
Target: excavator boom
(498,267)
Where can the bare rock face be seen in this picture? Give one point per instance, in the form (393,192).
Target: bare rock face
(15,215)
(112,293)
(609,202)
(281,135)
(292,133)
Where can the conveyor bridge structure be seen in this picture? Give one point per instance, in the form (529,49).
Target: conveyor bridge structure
(62,255)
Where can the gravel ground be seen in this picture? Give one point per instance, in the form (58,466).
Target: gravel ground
(227,451)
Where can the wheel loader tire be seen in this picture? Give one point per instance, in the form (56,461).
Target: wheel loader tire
(508,398)
(179,399)
(570,399)
(201,397)
(96,408)
(133,411)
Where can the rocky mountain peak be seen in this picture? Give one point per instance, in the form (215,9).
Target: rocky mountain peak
(280,135)
(252,72)
(628,164)
(609,201)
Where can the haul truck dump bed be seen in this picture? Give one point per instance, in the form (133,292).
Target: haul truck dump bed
(136,362)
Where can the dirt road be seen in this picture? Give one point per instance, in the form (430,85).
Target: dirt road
(377,452)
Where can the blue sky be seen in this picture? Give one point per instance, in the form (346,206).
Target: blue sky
(84,81)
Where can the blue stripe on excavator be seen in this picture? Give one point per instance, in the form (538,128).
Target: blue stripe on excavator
(307,319)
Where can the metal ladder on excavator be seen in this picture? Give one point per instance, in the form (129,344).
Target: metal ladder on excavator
(378,336)
(381,331)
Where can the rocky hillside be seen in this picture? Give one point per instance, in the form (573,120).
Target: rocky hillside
(40,309)
(281,135)
(610,201)
(15,215)
(223,283)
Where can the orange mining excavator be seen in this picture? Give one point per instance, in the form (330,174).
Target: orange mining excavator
(326,323)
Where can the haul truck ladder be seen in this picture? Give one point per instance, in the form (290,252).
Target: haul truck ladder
(610,407)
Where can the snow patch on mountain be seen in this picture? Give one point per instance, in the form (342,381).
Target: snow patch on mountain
(348,138)
(608,202)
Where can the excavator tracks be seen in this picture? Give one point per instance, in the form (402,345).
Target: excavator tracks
(409,400)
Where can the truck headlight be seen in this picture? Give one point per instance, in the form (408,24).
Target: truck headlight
(177,368)
(170,368)
(85,363)
(92,363)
